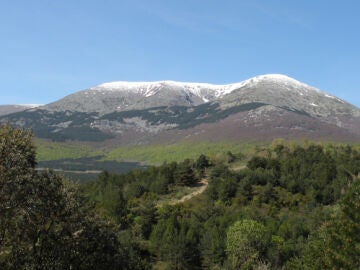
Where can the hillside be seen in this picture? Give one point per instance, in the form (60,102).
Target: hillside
(9,109)
(272,213)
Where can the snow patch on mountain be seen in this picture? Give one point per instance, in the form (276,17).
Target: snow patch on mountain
(30,105)
(204,90)
(147,89)
(276,89)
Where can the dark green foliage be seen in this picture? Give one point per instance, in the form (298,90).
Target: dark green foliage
(45,223)
(292,195)
(212,244)
(184,175)
(155,180)
(201,164)
(294,208)
(336,244)
(293,190)
(257,162)
(247,241)
(175,239)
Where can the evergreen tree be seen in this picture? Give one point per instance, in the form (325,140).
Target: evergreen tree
(184,175)
(246,243)
(45,223)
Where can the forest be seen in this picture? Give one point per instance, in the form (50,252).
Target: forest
(291,206)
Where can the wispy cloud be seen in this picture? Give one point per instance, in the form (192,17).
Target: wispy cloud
(179,16)
(213,16)
(208,21)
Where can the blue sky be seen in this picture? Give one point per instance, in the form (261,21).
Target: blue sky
(50,49)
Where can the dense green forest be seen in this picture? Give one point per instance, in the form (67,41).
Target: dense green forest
(291,207)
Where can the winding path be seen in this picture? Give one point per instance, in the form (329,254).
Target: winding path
(204,183)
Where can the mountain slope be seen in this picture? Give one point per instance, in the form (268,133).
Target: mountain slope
(263,107)
(283,91)
(8,109)
(120,96)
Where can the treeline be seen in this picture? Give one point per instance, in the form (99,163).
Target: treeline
(290,204)
(266,215)
(290,207)
(285,210)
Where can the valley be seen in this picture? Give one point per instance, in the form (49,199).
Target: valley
(177,187)
(179,135)
(185,215)
(120,126)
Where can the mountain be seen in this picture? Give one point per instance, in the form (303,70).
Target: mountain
(8,109)
(263,107)
(126,96)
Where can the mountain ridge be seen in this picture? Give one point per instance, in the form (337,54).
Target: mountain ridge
(139,112)
(13,108)
(124,95)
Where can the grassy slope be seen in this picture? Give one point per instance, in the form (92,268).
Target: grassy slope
(55,150)
(157,154)
(148,154)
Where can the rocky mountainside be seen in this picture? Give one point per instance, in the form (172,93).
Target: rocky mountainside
(126,96)
(8,109)
(263,107)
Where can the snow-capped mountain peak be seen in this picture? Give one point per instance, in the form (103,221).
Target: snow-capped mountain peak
(269,104)
(276,89)
(202,90)
(205,91)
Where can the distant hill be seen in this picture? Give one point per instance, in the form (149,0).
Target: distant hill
(8,109)
(263,107)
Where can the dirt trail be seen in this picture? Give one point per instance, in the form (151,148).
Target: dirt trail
(204,183)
